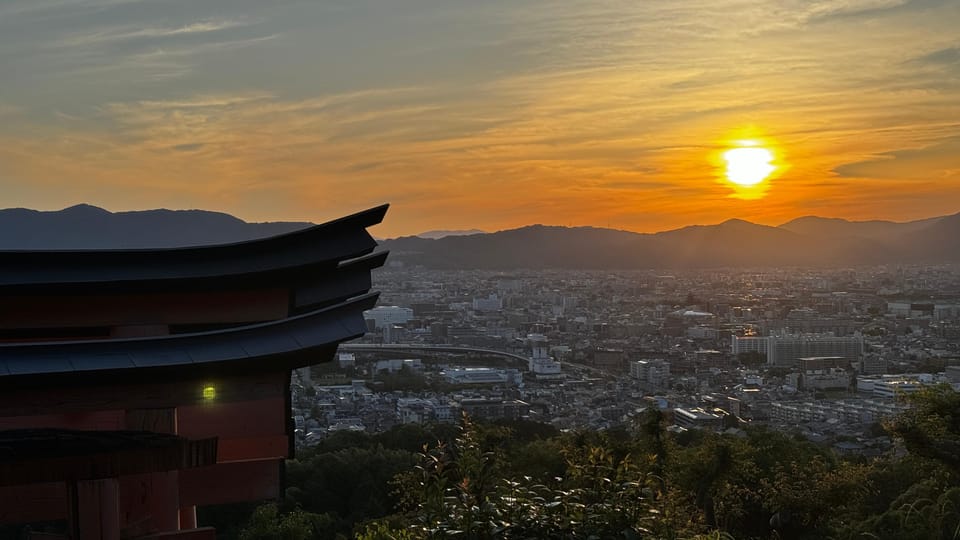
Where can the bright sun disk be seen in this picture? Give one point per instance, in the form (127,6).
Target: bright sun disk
(748,166)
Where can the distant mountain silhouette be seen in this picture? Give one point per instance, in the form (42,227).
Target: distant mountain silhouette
(537,246)
(88,227)
(809,241)
(878,229)
(939,242)
(442,234)
(806,241)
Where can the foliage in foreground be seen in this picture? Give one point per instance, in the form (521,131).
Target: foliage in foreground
(500,482)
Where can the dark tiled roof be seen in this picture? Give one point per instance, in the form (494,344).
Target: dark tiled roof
(319,247)
(326,268)
(292,339)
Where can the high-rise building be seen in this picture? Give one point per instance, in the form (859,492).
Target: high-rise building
(787,350)
(744,344)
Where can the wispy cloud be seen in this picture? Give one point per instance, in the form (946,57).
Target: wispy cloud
(932,162)
(125,33)
(823,9)
(158,63)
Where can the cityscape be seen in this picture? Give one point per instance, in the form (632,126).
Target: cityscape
(822,353)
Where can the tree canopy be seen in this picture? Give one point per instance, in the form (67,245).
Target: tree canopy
(485,481)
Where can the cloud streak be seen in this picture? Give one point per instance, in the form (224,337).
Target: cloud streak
(127,33)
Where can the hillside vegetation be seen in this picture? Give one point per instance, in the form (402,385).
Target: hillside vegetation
(527,481)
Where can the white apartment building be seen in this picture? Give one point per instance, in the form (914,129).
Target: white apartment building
(696,419)
(388,315)
(346,359)
(419,411)
(744,344)
(786,350)
(483,375)
(654,372)
(541,364)
(891,388)
(395,365)
(847,411)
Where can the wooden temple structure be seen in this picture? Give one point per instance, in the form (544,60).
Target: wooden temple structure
(136,385)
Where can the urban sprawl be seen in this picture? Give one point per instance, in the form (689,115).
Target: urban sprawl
(824,354)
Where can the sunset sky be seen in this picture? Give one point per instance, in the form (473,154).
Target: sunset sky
(486,114)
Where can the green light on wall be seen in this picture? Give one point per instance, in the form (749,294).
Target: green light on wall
(209,392)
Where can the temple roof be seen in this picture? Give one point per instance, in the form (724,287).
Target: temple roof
(324,269)
(315,248)
(283,344)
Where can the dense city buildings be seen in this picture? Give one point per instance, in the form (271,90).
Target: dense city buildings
(821,353)
(785,350)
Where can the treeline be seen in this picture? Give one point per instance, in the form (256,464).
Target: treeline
(527,481)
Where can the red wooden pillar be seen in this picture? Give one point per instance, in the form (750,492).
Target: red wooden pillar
(150,503)
(188,517)
(164,501)
(97,509)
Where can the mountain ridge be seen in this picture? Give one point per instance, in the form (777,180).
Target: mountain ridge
(84,226)
(804,241)
(441,233)
(732,243)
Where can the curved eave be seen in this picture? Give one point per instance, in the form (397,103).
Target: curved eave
(320,246)
(350,279)
(283,344)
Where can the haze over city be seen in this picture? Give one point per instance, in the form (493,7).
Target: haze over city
(642,116)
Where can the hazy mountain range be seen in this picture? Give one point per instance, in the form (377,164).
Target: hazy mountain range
(806,241)
(88,227)
(444,234)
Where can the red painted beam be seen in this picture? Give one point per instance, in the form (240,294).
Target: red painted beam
(144,309)
(89,420)
(34,502)
(230,483)
(237,419)
(58,400)
(246,449)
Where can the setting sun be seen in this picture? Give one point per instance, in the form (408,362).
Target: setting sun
(748,166)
